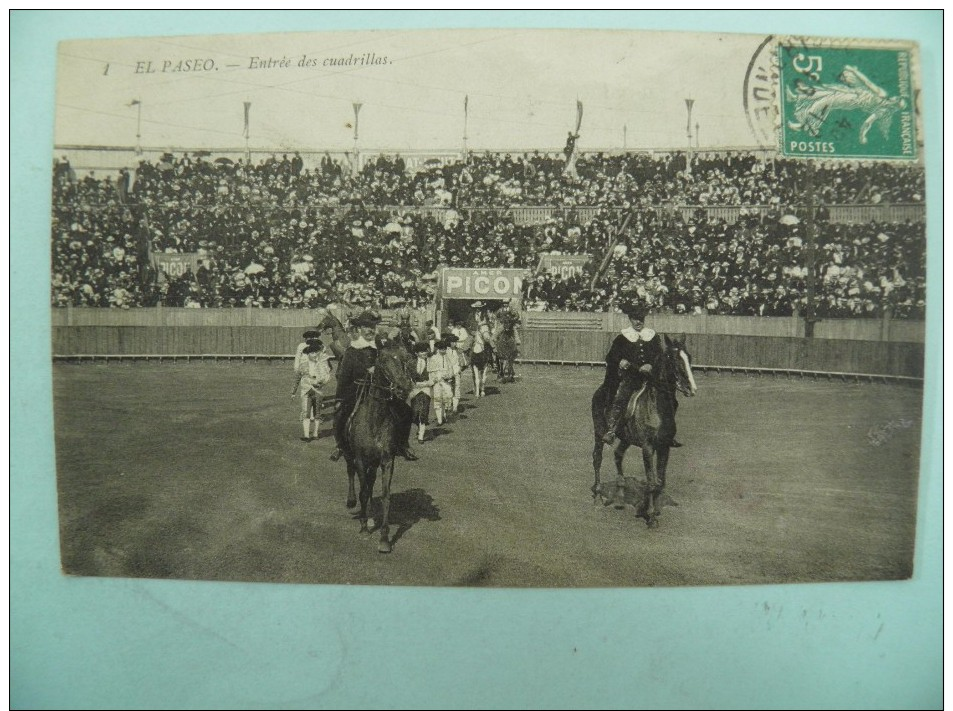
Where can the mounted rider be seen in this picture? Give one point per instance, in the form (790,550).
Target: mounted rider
(358,360)
(629,364)
(406,336)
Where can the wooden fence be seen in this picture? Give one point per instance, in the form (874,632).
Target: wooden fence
(883,329)
(812,354)
(872,346)
(172,316)
(815,354)
(175,340)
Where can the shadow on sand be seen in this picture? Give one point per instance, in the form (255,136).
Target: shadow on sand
(407,508)
(633,495)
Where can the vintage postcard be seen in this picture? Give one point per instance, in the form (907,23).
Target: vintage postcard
(511,308)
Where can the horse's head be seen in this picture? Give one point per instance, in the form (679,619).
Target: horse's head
(328,321)
(393,371)
(678,364)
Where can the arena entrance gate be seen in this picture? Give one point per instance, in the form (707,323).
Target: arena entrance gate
(459,289)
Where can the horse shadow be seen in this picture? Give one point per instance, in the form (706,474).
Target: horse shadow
(437,431)
(407,508)
(633,494)
(491,390)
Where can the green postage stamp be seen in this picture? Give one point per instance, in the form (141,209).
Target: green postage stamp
(846,102)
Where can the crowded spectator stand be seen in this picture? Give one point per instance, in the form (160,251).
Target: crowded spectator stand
(275,234)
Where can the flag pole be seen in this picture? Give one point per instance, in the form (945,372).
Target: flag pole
(466,101)
(247,133)
(138,126)
(357,110)
(688,160)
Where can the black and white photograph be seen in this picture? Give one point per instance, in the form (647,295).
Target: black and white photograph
(512,308)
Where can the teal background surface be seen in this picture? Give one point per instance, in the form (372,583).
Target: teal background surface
(84,643)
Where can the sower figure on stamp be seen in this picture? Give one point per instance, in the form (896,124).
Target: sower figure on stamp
(629,364)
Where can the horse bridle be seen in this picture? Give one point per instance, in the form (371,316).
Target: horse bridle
(392,390)
(672,356)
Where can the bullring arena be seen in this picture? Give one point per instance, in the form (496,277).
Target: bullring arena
(181,288)
(189,465)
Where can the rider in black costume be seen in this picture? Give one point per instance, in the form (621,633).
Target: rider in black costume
(629,364)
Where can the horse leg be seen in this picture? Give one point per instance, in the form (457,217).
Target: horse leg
(387,474)
(618,499)
(368,475)
(652,486)
(596,467)
(351,496)
(662,466)
(479,380)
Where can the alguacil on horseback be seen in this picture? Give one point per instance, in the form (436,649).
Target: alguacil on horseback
(629,364)
(643,371)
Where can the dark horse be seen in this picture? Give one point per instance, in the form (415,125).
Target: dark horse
(506,348)
(372,435)
(339,335)
(648,423)
(405,337)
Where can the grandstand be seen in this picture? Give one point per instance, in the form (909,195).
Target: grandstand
(731,239)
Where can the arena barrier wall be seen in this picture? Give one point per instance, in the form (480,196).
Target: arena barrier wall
(727,351)
(172,316)
(767,352)
(882,329)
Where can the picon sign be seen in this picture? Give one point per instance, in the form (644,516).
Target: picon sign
(458,283)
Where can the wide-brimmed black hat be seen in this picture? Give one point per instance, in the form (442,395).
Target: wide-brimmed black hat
(311,335)
(442,344)
(449,337)
(366,319)
(421,347)
(635,310)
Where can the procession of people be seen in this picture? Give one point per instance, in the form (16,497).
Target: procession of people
(437,360)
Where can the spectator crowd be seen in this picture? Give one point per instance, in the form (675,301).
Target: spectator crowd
(278,235)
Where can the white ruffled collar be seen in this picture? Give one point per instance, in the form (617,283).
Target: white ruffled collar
(361,343)
(646,334)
